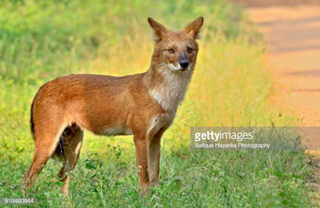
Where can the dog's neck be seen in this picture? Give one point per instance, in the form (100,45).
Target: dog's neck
(167,87)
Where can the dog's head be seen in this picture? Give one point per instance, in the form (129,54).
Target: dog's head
(176,50)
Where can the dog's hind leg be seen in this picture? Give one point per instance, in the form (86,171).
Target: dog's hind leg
(46,139)
(72,142)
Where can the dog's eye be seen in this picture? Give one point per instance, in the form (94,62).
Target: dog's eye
(171,50)
(190,50)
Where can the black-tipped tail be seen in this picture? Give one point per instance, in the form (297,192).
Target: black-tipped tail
(59,152)
(31,119)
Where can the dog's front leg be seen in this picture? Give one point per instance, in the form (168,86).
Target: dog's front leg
(154,158)
(141,144)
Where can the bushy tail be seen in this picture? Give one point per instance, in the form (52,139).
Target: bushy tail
(31,118)
(59,152)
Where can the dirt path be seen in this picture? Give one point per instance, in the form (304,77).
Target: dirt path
(292,32)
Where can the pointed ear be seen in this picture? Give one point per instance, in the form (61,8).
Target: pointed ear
(159,30)
(194,28)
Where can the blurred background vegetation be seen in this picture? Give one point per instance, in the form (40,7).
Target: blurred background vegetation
(40,40)
(35,34)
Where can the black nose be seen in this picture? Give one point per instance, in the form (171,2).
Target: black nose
(184,64)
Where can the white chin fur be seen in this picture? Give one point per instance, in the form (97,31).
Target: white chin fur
(174,68)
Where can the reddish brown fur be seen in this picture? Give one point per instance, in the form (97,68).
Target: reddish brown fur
(108,105)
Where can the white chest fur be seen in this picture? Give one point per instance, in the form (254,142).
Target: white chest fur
(172,91)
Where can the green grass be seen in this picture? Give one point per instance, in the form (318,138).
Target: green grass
(230,87)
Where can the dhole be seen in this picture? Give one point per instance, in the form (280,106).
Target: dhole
(141,104)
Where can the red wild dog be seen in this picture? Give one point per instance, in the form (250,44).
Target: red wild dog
(141,104)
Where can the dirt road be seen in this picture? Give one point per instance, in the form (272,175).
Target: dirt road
(291,29)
